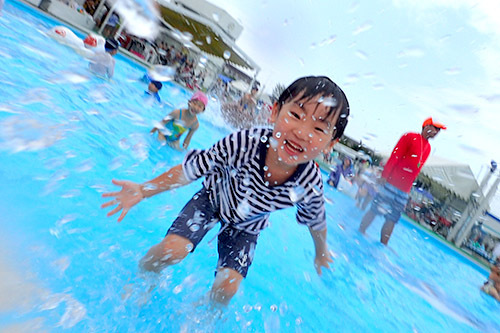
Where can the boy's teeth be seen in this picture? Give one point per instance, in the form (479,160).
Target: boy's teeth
(293,146)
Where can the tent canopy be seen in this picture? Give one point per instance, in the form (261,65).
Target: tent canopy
(204,35)
(455,177)
(452,176)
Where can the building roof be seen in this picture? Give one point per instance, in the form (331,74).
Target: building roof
(207,35)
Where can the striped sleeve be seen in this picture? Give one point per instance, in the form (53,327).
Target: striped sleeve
(311,209)
(226,152)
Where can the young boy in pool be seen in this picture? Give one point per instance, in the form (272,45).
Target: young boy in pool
(248,175)
(154,88)
(182,120)
(103,63)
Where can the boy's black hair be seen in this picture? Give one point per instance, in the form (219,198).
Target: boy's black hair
(311,86)
(157,84)
(111,44)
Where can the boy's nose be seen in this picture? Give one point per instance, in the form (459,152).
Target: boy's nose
(301,134)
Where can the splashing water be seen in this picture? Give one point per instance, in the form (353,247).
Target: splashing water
(81,269)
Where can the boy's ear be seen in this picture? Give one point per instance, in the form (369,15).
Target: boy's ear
(274,113)
(329,147)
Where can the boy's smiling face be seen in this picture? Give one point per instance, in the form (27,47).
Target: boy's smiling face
(303,129)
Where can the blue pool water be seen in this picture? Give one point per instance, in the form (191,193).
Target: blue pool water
(65,134)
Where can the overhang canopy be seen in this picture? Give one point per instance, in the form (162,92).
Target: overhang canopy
(455,177)
(450,175)
(205,35)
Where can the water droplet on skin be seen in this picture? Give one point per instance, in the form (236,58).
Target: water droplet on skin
(164,258)
(269,174)
(265,168)
(150,187)
(273,142)
(278,135)
(189,247)
(330,102)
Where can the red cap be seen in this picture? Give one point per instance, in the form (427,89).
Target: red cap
(429,121)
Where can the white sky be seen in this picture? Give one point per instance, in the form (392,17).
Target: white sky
(398,61)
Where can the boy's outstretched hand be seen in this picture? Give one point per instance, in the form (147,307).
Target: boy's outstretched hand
(322,260)
(130,195)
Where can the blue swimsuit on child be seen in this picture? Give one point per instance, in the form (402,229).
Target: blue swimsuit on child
(175,128)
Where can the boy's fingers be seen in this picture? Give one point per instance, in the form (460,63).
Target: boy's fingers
(110,194)
(119,182)
(122,215)
(109,203)
(114,211)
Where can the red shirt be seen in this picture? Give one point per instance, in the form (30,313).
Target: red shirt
(406,160)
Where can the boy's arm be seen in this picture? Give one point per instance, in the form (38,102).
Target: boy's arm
(132,193)
(322,255)
(187,140)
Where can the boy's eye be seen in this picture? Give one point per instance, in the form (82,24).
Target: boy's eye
(319,129)
(293,114)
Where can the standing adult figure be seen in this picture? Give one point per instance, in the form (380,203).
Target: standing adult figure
(400,171)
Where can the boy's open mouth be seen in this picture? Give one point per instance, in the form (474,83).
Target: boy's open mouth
(292,147)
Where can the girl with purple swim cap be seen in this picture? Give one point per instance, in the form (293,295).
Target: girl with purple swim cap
(182,120)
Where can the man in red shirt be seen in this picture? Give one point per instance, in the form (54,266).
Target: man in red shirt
(400,171)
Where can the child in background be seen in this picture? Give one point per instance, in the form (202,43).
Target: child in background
(344,170)
(103,63)
(492,286)
(153,90)
(182,120)
(248,175)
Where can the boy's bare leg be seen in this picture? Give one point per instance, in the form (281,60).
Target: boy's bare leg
(386,232)
(226,284)
(171,250)
(366,221)
(366,201)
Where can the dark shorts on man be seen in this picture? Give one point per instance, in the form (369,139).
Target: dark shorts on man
(235,247)
(389,202)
